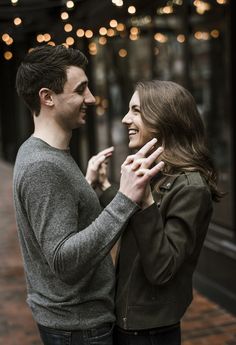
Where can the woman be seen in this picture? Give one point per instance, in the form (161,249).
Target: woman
(160,247)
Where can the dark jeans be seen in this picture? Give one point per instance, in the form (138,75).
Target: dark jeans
(170,335)
(95,336)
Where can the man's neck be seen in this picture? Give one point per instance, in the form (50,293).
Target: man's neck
(51,133)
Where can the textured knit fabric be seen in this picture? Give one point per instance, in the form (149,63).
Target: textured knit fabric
(65,239)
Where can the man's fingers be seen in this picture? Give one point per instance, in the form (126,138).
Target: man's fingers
(150,173)
(146,148)
(128,160)
(156,169)
(151,159)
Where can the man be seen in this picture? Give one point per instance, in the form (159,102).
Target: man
(65,238)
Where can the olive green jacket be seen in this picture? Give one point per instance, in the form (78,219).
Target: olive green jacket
(159,252)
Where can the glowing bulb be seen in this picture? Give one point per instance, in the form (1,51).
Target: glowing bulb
(70,41)
(131,9)
(103,31)
(120,27)
(80,33)
(113,23)
(88,33)
(8,55)
(64,15)
(102,40)
(70,4)
(40,38)
(181,38)
(9,41)
(134,31)
(5,37)
(47,37)
(17,21)
(68,27)
(122,53)
(110,32)
(215,33)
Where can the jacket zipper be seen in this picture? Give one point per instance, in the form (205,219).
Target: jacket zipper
(126,307)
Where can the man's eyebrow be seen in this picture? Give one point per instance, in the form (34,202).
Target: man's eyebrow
(83,83)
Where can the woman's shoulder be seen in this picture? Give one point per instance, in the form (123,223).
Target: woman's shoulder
(191,179)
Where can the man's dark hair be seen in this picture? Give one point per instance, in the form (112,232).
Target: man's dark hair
(45,67)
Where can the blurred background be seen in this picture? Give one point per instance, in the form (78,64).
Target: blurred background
(187,41)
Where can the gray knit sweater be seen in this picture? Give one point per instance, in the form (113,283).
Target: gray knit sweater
(65,239)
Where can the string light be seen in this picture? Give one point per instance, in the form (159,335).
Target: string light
(181,38)
(134,31)
(221,2)
(215,33)
(110,32)
(120,27)
(17,21)
(88,33)
(47,37)
(8,55)
(40,38)
(92,48)
(70,41)
(160,37)
(5,37)
(70,4)
(68,27)
(9,41)
(80,33)
(113,23)
(102,31)
(131,9)
(14,2)
(64,15)
(51,43)
(102,40)
(122,53)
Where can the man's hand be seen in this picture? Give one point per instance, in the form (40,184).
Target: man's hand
(137,171)
(94,164)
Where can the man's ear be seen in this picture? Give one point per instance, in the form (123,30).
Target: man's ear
(45,96)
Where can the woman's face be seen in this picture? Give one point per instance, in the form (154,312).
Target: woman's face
(138,133)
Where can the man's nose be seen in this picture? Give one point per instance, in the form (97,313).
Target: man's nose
(89,97)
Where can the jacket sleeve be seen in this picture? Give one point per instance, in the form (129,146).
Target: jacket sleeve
(164,244)
(53,216)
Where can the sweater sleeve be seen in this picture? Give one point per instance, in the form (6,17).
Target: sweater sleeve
(164,244)
(53,216)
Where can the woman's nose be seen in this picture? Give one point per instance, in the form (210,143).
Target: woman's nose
(127,119)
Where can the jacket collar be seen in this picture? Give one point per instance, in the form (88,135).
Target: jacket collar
(169,182)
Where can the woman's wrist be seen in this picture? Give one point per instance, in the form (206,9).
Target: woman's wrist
(105,185)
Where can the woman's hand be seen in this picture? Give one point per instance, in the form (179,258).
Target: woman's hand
(103,182)
(94,165)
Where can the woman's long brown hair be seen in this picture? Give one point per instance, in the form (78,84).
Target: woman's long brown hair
(170,113)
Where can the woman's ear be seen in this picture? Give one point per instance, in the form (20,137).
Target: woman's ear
(45,96)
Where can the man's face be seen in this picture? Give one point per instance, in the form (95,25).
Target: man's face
(71,104)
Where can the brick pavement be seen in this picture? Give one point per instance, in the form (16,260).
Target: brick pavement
(205,323)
